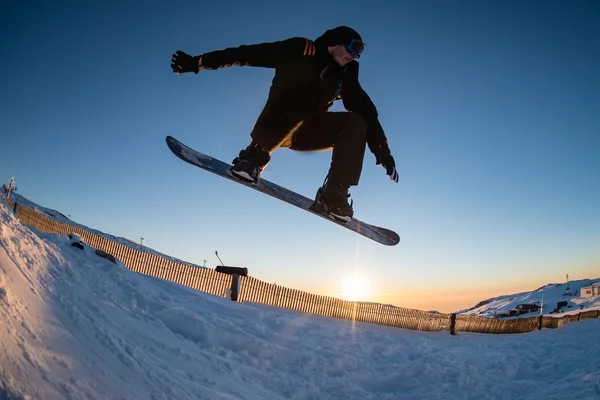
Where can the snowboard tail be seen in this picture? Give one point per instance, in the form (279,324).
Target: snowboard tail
(382,235)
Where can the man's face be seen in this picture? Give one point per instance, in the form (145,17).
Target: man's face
(340,55)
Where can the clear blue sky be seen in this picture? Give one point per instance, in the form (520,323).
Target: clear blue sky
(492,110)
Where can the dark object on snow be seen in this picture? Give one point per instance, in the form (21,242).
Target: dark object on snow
(78,245)
(527,308)
(561,304)
(109,257)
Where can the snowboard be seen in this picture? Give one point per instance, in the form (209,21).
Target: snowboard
(211,164)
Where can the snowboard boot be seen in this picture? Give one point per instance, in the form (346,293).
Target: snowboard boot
(250,163)
(334,198)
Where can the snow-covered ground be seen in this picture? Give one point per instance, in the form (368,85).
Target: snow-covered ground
(61,217)
(75,326)
(548,298)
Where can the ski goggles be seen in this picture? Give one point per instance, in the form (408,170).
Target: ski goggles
(355,48)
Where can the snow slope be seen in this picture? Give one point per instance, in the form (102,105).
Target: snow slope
(547,296)
(60,217)
(75,326)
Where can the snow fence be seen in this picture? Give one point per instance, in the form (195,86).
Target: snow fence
(257,291)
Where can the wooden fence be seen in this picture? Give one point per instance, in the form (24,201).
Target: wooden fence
(254,290)
(204,279)
(257,291)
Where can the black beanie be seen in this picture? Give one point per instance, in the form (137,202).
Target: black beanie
(339,35)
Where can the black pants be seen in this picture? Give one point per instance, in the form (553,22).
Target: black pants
(343,132)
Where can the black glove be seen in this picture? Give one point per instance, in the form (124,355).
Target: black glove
(182,62)
(384,157)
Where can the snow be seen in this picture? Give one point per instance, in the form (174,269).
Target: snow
(60,217)
(547,296)
(76,326)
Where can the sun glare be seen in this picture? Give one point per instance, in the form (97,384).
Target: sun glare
(355,287)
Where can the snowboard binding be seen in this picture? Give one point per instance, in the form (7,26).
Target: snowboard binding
(319,206)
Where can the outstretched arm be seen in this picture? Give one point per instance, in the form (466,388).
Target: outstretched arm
(267,55)
(357,100)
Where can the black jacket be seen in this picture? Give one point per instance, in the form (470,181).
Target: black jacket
(306,78)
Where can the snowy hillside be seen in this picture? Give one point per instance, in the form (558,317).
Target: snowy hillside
(61,217)
(76,326)
(554,299)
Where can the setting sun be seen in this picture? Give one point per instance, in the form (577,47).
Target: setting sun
(355,287)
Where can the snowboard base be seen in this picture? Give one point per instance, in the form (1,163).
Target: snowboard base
(381,235)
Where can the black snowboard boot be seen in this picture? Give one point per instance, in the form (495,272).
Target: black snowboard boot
(250,163)
(335,198)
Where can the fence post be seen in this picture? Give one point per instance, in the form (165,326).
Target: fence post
(16,209)
(540,323)
(452,324)
(235,286)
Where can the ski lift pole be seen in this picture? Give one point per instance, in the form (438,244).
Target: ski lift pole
(217,254)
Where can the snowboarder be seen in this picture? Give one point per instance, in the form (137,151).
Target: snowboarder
(309,77)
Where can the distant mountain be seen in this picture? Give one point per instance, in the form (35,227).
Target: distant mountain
(553,299)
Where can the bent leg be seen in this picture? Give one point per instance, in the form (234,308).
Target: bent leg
(345,133)
(274,126)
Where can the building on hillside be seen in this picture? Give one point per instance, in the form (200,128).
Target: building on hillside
(590,291)
(527,308)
